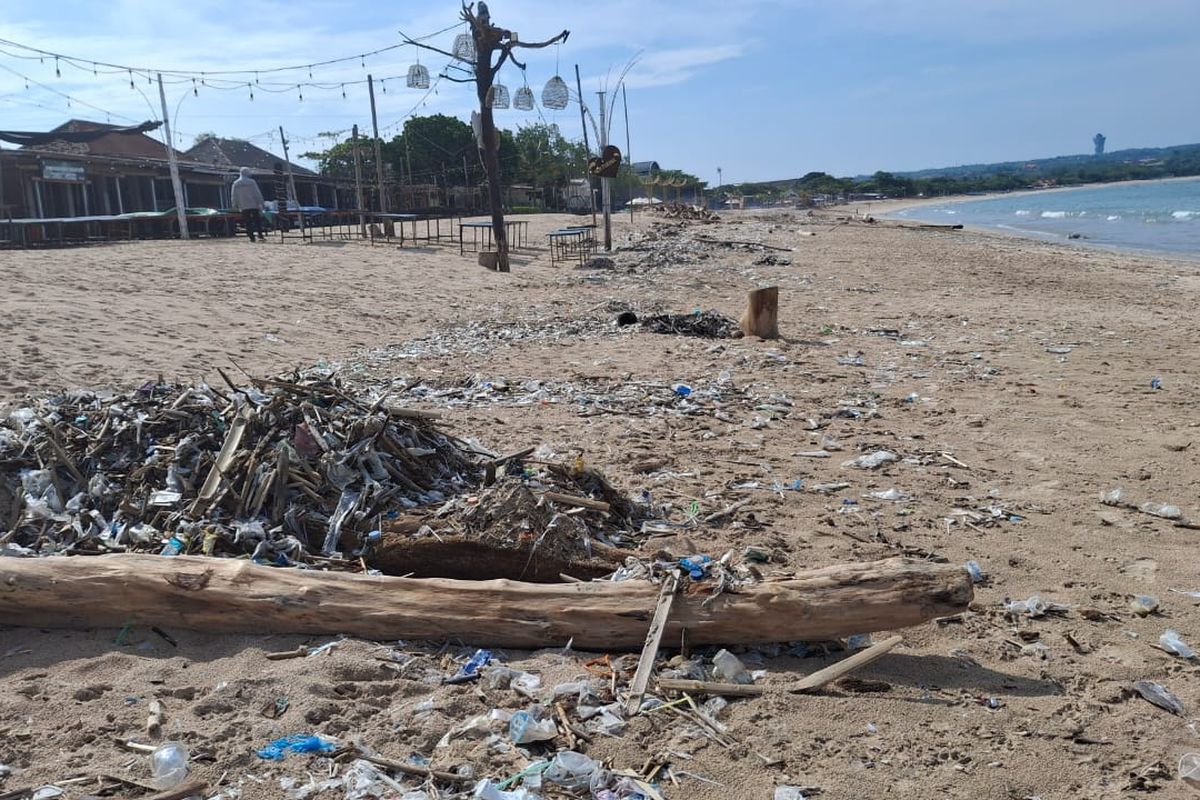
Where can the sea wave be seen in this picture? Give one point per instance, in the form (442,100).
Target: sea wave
(1023,212)
(1185,214)
(1113,217)
(1053,214)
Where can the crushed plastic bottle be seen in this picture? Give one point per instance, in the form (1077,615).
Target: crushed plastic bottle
(1143,605)
(470,670)
(1035,606)
(975,571)
(1172,643)
(1113,497)
(1164,510)
(696,566)
(572,771)
(1160,696)
(872,460)
(682,389)
(890,495)
(169,765)
(524,728)
(487,790)
(728,667)
(788,793)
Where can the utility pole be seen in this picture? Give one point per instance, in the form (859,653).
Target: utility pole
(583,120)
(292,195)
(358,192)
(605,183)
(176,183)
(628,148)
(383,203)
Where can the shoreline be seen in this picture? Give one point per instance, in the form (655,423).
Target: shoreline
(891,209)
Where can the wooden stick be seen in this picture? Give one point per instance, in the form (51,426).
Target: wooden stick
(224,458)
(155,720)
(575,500)
(807,684)
(658,626)
(725,512)
(299,652)
(413,769)
(568,733)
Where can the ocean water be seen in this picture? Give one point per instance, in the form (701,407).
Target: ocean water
(1162,216)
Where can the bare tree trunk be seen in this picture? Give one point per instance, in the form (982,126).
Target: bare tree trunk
(761,318)
(491,160)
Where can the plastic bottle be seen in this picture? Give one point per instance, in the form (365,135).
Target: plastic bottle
(1189,769)
(1143,605)
(524,729)
(1171,642)
(728,667)
(1164,510)
(571,770)
(975,571)
(169,765)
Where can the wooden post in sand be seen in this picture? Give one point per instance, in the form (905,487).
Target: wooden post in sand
(762,313)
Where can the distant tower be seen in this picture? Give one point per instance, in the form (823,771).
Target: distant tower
(1099,140)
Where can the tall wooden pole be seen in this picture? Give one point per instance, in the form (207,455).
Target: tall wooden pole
(176,183)
(605,183)
(383,203)
(628,147)
(358,190)
(583,120)
(292,193)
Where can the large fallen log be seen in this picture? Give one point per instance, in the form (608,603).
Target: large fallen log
(237,596)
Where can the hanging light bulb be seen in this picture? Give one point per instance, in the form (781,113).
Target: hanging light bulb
(57,71)
(251,88)
(343,91)
(555,94)
(94,70)
(301,92)
(131,86)
(195,91)
(383,83)
(256,83)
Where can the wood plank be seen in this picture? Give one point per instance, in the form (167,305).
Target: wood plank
(658,626)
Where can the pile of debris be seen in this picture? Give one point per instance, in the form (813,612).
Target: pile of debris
(686,211)
(702,324)
(283,470)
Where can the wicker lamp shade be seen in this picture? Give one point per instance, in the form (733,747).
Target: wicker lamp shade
(418,77)
(464,47)
(556,95)
(523,99)
(497,96)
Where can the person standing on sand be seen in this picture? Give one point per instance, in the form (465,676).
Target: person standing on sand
(247,198)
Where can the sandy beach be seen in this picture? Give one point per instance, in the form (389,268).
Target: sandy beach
(1012,377)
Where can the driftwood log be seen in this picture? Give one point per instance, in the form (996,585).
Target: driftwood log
(237,596)
(761,317)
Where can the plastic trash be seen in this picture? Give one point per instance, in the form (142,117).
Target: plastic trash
(1035,606)
(858,641)
(470,670)
(1143,605)
(169,765)
(296,743)
(697,566)
(1164,510)
(523,728)
(872,460)
(1189,769)
(682,389)
(975,571)
(728,667)
(1156,382)
(1160,696)
(891,495)
(714,706)
(1171,642)
(788,793)
(571,770)
(487,790)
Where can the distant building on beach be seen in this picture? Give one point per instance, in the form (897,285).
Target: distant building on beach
(121,173)
(1098,140)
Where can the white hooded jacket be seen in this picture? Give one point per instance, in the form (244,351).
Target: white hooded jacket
(245,193)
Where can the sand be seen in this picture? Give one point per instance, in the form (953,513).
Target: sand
(1031,366)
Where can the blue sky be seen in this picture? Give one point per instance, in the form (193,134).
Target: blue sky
(761,88)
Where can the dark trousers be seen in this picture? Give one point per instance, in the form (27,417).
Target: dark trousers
(252,218)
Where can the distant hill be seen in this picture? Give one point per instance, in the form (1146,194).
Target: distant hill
(1122,165)
(1058,164)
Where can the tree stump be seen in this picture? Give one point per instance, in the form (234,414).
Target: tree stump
(762,313)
